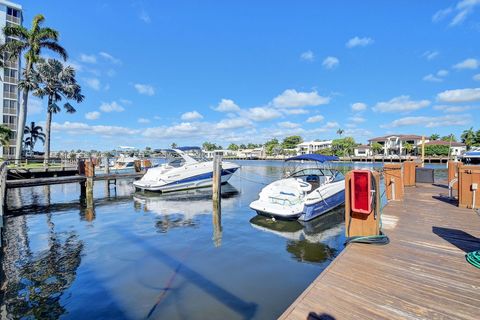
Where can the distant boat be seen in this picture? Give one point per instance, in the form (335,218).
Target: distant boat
(183,172)
(304,194)
(472,156)
(124,163)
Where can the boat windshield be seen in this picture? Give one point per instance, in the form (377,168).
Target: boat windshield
(318,175)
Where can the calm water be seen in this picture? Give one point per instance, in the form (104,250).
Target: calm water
(141,255)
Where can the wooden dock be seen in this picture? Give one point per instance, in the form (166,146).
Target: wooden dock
(69,179)
(421,274)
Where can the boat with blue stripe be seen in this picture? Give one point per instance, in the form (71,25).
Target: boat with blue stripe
(305,194)
(183,171)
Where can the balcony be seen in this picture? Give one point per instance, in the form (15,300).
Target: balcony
(13,19)
(12,111)
(12,64)
(10,80)
(10,95)
(12,126)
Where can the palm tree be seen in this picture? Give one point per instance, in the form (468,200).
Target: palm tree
(5,135)
(468,137)
(36,133)
(340,131)
(56,82)
(434,136)
(32,41)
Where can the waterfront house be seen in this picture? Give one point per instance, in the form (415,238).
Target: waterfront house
(256,153)
(313,146)
(363,150)
(395,144)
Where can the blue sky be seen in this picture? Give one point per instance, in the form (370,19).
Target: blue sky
(157,72)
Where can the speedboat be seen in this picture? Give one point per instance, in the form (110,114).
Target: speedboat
(305,194)
(182,171)
(124,163)
(472,156)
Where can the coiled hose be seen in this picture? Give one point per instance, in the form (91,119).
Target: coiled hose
(473,258)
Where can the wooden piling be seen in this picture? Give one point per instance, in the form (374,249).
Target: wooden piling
(217,177)
(393,178)
(423,151)
(217,223)
(409,173)
(107,165)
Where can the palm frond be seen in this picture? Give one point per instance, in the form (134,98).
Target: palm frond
(69,108)
(47,34)
(16,31)
(55,47)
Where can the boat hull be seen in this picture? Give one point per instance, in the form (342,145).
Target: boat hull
(198,181)
(304,211)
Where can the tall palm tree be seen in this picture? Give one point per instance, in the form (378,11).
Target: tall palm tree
(340,131)
(56,82)
(5,135)
(36,133)
(31,42)
(435,136)
(468,137)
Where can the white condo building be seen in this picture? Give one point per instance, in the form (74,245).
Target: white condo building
(313,146)
(10,13)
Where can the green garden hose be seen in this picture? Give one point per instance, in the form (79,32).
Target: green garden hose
(380,239)
(473,258)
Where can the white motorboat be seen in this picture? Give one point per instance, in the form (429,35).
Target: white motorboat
(304,194)
(183,172)
(472,156)
(123,163)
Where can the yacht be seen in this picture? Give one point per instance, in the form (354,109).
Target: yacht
(472,156)
(304,194)
(183,171)
(123,163)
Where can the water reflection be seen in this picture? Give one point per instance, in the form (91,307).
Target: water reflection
(309,241)
(179,209)
(34,282)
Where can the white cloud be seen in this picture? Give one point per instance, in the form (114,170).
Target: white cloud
(332,125)
(469,63)
(307,56)
(144,16)
(442,73)
(459,95)
(430,55)
(357,119)
(145,89)
(107,56)
(476,77)
(330,63)
(358,133)
(35,106)
(358,42)
(94,115)
(88,58)
(288,125)
(184,129)
(143,120)
(262,113)
(294,111)
(400,104)
(359,106)
(432,78)
(317,118)
(460,12)
(233,123)
(292,98)
(430,122)
(191,115)
(227,105)
(453,109)
(126,101)
(80,127)
(111,107)
(93,83)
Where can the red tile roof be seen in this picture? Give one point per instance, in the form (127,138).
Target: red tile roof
(444,143)
(401,136)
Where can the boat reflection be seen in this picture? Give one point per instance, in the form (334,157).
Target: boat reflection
(310,241)
(179,209)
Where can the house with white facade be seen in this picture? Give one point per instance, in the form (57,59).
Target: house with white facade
(362,150)
(313,146)
(395,144)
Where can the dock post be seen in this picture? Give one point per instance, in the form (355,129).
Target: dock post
(423,151)
(217,177)
(107,166)
(392,183)
(217,223)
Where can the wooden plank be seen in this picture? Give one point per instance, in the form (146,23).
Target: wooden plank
(421,274)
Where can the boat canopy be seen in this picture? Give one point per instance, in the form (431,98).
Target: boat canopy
(313,157)
(189,148)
